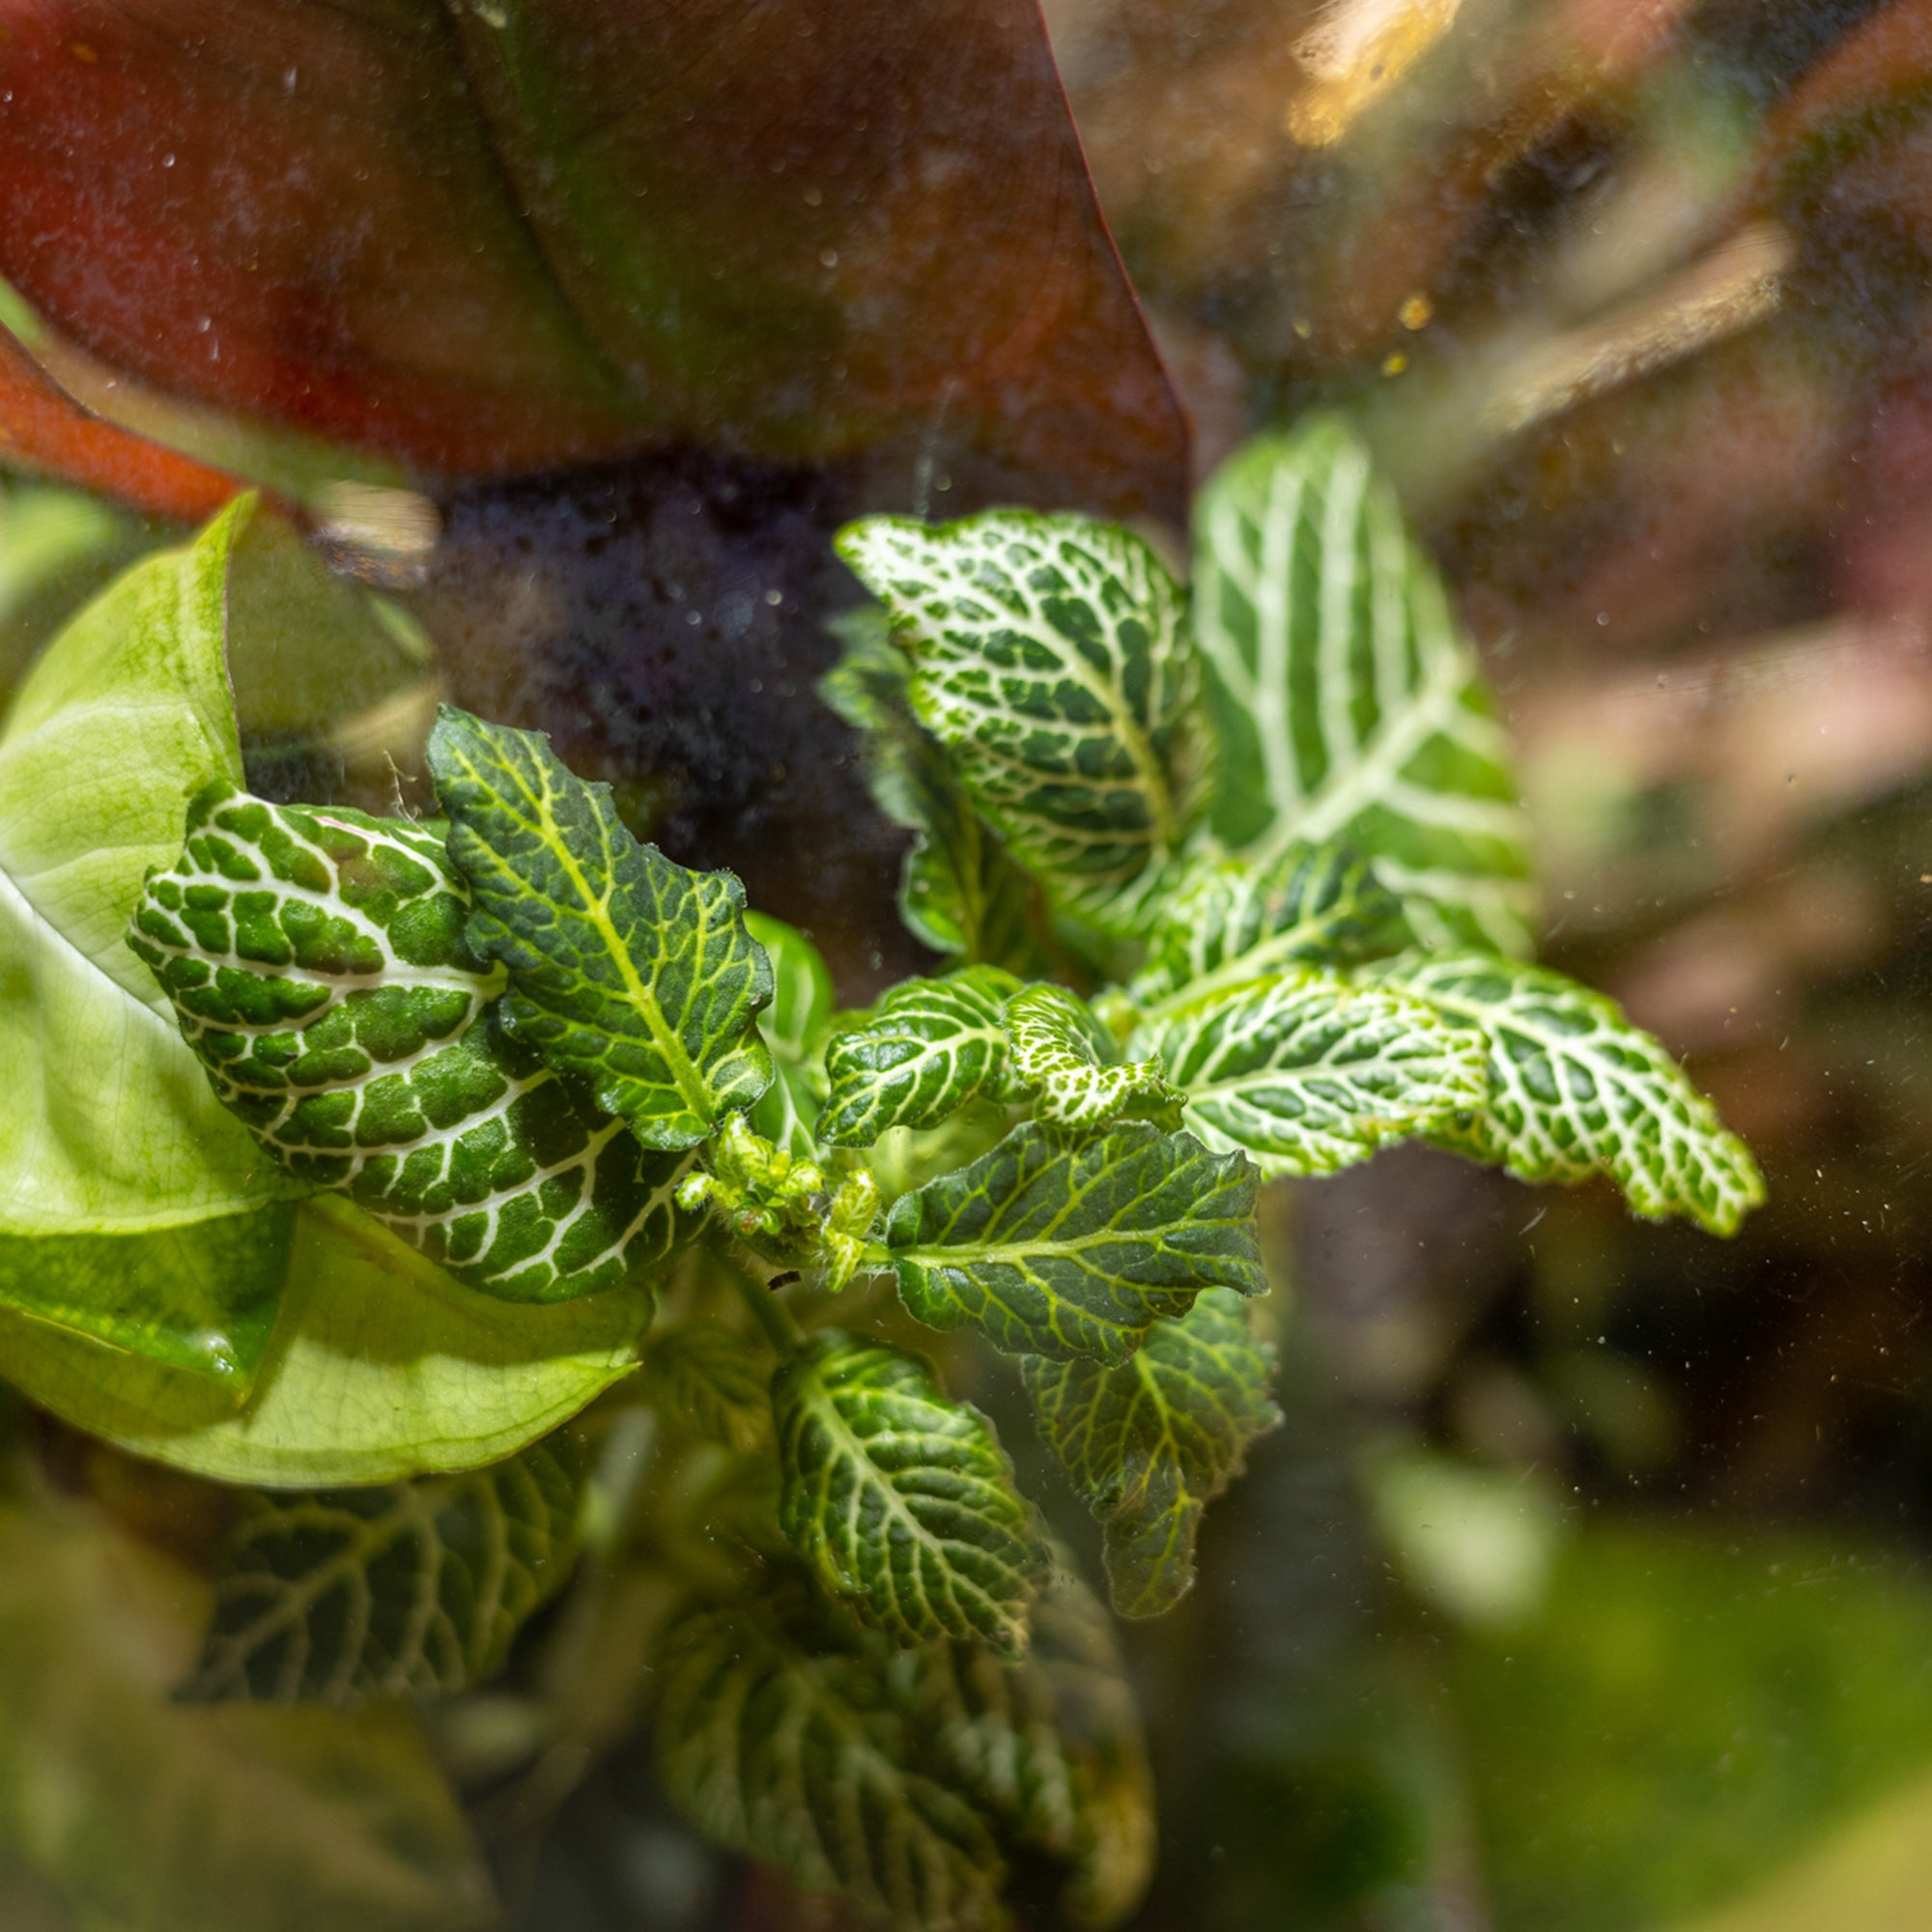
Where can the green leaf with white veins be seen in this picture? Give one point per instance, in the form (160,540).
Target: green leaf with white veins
(775,1739)
(414,1590)
(1575,1089)
(108,1126)
(1309,1074)
(634,974)
(902,1501)
(925,1049)
(1063,1249)
(1348,705)
(1233,921)
(1067,1060)
(1052,658)
(710,1382)
(1150,1442)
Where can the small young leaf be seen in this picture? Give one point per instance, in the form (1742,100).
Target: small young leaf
(1573,1090)
(775,1740)
(711,1382)
(793,1027)
(1049,1747)
(1152,1442)
(927,1048)
(1070,1062)
(626,970)
(1057,1249)
(1348,704)
(1235,922)
(412,1590)
(960,892)
(1309,1073)
(902,1500)
(1052,658)
(317,964)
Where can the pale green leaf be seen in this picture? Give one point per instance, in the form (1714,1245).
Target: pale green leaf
(626,970)
(776,1737)
(959,890)
(143,1812)
(1049,1747)
(1052,658)
(201,1299)
(1234,920)
(793,1028)
(1309,1073)
(108,1126)
(318,964)
(1057,1249)
(413,1589)
(1150,1442)
(1573,1090)
(926,1049)
(902,1501)
(381,1367)
(1070,1064)
(710,1382)
(1347,703)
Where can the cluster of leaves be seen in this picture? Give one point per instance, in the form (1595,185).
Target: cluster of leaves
(1232,889)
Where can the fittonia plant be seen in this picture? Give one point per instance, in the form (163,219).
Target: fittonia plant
(1229,890)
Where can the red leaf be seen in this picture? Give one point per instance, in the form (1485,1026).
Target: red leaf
(501,235)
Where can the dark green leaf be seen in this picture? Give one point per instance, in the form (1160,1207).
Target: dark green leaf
(1064,1250)
(927,1048)
(1070,1064)
(626,970)
(415,1589)
(1309,1074)
(777,1739)
(1150,1442)
(317,965)
(1574,1089)
(1052,658)
(1235,922)
(711,1382)
(902,1500)
(1349,706)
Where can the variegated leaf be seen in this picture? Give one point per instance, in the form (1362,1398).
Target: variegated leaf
(1053,661)
(793,1028)
(1573,1090)
(1070,1064)
(1350,707)
(927,1048)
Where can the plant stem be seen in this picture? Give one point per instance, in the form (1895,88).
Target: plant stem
(773,1316)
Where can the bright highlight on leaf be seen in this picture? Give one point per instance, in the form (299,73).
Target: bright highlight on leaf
(902,1501)
(927,1048)
(317,962)
(1309,1073)
(1150,1442)
(1346,704)
(626,971)
(1575,1089)
(775,1740)
(1052,658)
(1057,1249)
(1066,1061)
(414,1590)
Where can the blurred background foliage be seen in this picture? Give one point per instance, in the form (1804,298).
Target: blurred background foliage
(1588,1588)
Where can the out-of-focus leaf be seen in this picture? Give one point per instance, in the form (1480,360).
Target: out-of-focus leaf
(1683,1718)
(1054,1249)
(1349,706)
(710,1382)
(792,1027)
(381,1367)
(414,1589)
(141,1811)
(629,971)
(902,1500)
(512,236)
